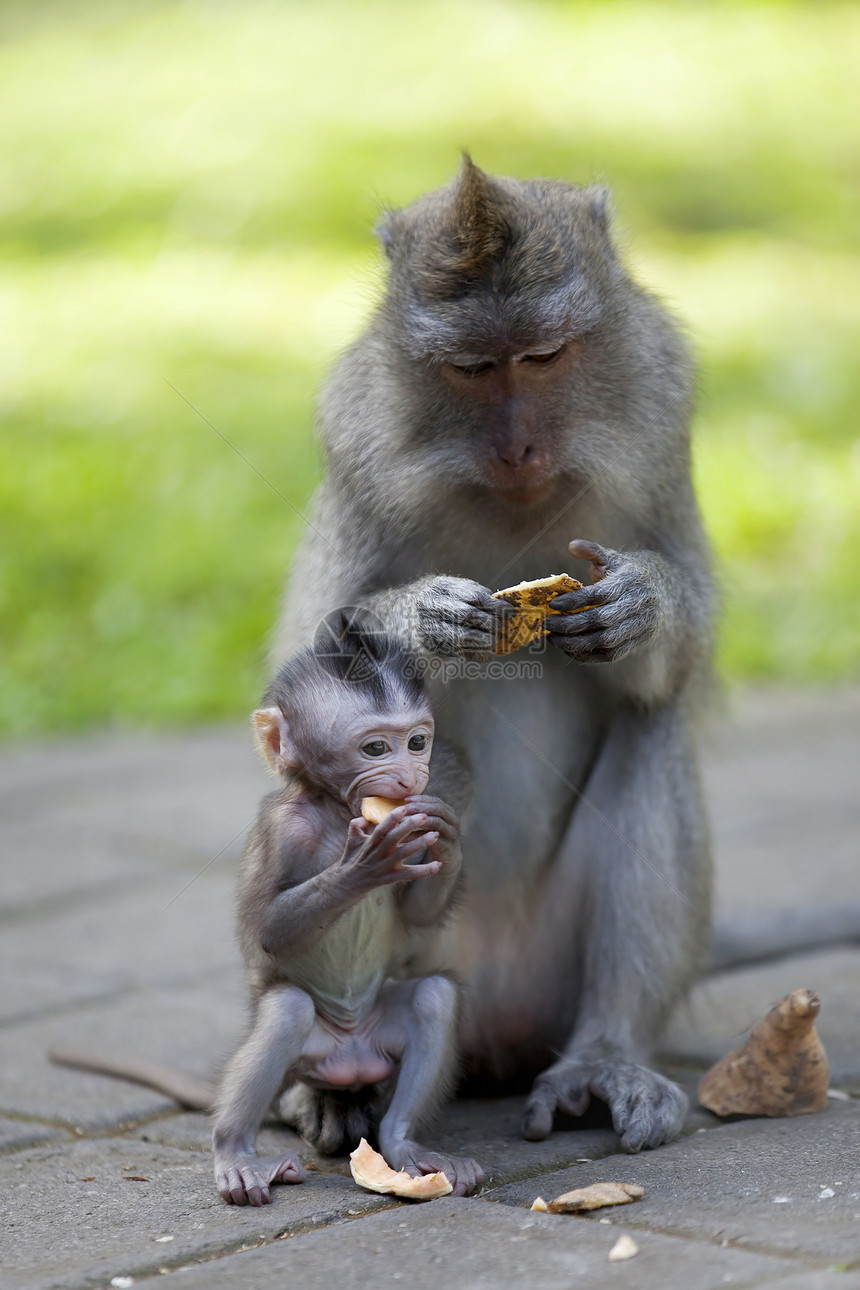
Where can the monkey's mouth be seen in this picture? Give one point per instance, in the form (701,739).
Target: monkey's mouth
(523,493)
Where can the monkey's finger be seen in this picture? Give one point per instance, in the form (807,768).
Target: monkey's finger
(574,602)
(585,649)
(442,829)
(434,806)
(360,830)
(590,620)
(407,826)
(412,848)
(384,827)
(470,616)
(233,1189)
(540,1109)
(602,561)
(256,1190)
(481,598)
(476,642)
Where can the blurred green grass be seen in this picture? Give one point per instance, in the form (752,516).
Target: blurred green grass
(186,193)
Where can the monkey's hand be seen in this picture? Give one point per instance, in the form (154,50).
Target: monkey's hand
(619,612)
(376,855)
(458,618)
(463,1173)
(440,819)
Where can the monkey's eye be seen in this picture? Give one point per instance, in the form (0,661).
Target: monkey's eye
(417,743)
(540,356)
(375,748)
(473,367)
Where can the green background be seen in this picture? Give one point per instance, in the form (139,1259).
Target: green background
(186,194)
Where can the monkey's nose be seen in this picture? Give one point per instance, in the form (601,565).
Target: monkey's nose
(515,454)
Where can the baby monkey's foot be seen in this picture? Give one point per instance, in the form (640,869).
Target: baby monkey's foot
(245,1180)
(464,1174)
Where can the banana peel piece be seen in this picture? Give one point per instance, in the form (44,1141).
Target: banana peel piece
(370,1171)
(781,1069)
(531,601)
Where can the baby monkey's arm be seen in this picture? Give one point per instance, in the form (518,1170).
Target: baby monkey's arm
(290,915)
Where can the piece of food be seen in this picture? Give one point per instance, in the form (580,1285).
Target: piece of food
(375,809)
(531,601)
(595,1196)
(540,1205)
(624,1248)
(370,1170)
(781,1069)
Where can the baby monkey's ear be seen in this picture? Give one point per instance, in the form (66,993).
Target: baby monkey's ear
(272,732)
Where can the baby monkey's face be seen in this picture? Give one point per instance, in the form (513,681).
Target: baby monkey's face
(387,755)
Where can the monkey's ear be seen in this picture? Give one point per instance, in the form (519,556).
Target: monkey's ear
(387,230)
(272,732)
(598,204)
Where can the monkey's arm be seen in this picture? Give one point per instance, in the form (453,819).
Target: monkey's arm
(283,915)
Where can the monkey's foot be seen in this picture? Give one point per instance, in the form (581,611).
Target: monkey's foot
(464,1174)
(647,1110)
(245,1180)
(329,1121)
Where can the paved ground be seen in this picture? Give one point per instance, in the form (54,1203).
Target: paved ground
(117,932)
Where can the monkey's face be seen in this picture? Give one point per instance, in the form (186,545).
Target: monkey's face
(514,402)
(385,755)
(501,294)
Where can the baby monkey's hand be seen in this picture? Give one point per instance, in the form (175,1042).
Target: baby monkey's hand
(376,855)
(441,820)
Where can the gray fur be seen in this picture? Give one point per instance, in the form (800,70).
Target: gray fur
(586,906)
(337,919)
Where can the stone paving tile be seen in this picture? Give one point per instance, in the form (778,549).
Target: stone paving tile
(477,1246)
(195,789)
(15,1134)
(47,865)
(780,777)
(190,1027)
(755,1183)
(116,943)
(62,1231)
(825,1279)
(723,1008)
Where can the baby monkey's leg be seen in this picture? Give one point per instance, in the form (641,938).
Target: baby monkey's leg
(254,1077)
(422,1025)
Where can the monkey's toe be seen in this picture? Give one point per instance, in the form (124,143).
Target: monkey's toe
(647,1109)
(539,1113)
(464,1174)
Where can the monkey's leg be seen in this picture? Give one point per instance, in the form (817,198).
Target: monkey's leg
(422,1024)
(254,1077)
(637,845)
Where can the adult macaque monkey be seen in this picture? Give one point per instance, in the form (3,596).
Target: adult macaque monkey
(334,913)
(514,390)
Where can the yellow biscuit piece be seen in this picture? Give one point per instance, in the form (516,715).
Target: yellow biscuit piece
(531,601)
(375,809)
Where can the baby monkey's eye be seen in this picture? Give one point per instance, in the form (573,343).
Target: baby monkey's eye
(375,748)
(417,743)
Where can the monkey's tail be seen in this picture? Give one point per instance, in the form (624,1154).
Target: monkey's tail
(188,1090)
(757,936)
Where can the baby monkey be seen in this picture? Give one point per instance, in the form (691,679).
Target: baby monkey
(333,911)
